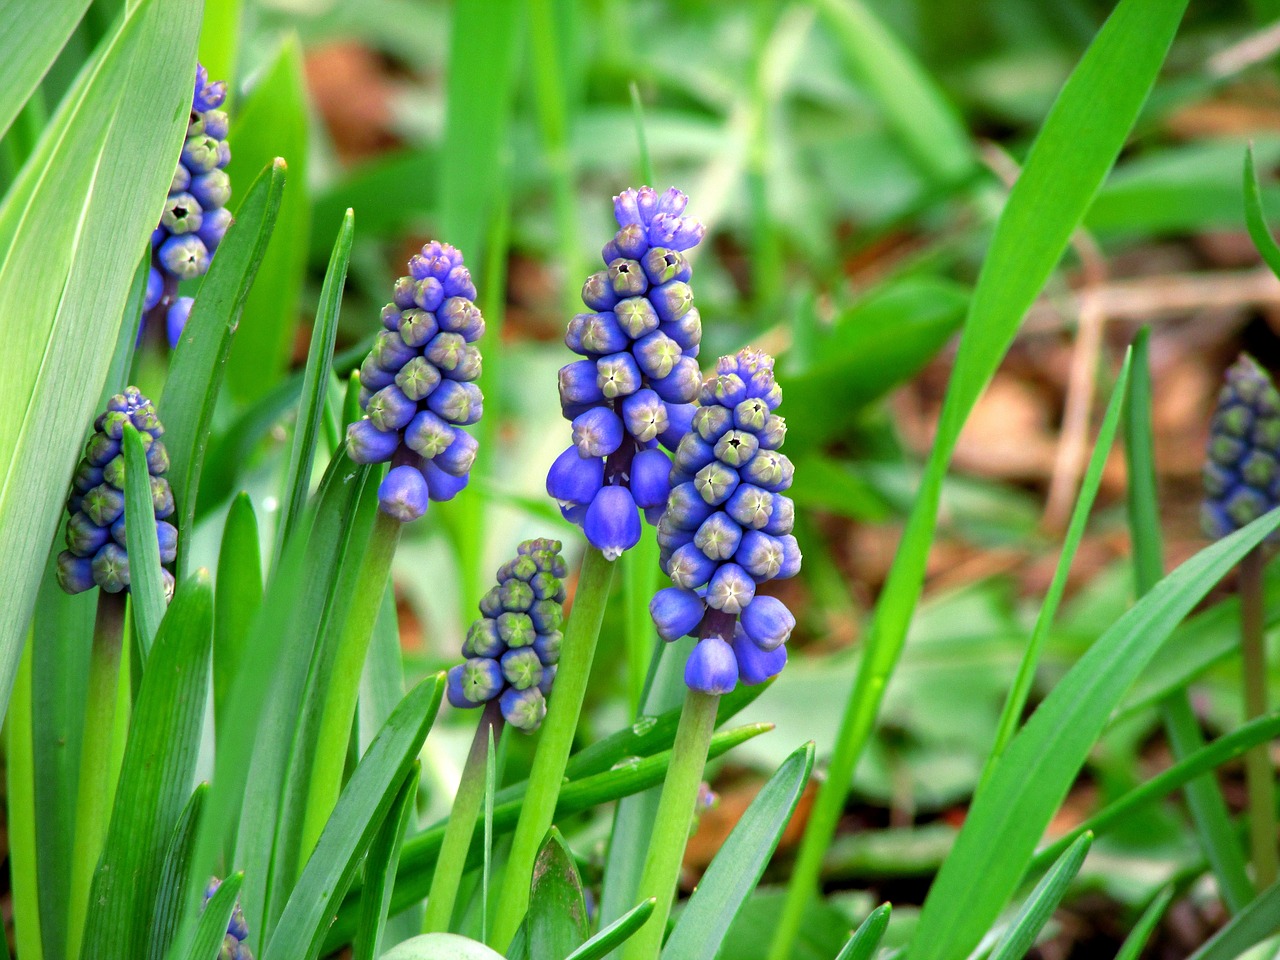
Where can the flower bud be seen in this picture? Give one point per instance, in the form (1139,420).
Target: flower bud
(612,522)
(712,667)
(403,493)
(676,612)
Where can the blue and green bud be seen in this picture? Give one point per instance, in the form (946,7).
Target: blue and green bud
(97,553)
(417,385)
(513,649)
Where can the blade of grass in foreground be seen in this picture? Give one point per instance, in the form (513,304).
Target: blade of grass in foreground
(315,381)
(862,945)
(1076,147)
(1021,689)
(1208,808)
(199,362)
(34,34)
(97,179)
(1010,814)
(1039,906)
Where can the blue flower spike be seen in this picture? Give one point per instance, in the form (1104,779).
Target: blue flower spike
(1241,470)
(234,946)
(633,393)
(96,549)
(727,529)
(418,386)
(513,649)
(195,216)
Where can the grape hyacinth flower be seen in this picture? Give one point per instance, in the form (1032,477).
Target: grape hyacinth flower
(96,550)
(633,392)
(195,217)
(417,386)
(727,529)
(513,649)
(234,946)
(1241,473)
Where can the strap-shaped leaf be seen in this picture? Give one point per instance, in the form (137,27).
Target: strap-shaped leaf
(862,945)
(380,872)
(155,778)
(199,362)
(361,809)
(212,929)
(72,229)
(146,588)
(738,865)
(1039,906)
(34,33)
(1026,786)
(171,897)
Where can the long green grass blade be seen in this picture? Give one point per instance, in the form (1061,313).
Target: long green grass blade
(1077,145)
(557,919)
(171,893)
(97,179)
(273,123)
(155,778)
(914,108)
(236,602)
(1044,899)
(1257,921)
(1137,939)
(315,382)
(866,939)
(361,809)
(34,34)
(1208,807)
(212,929)
(1228,747)
(1016,701)
(615,934)
(739,864)
(1010,814)
(199,362)
(146,588)
(380,872)
(62,635)
(1254,217)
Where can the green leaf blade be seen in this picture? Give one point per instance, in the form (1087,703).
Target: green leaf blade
(146,586)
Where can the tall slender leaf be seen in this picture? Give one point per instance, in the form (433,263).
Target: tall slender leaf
(315,382)
(146,588)
(155,778)
(170,897)
(62,635)
(739,864)
(862,945)
(380,873)
(273,123)
(238,597)
(1039,906)
(1259,920)
(98,178)
(1010,813)
(34,33)
(1077,145)
(361,809)
(199,362)
(212,929)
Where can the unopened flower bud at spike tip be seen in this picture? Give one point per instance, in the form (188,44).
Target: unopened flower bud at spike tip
(417,387)
(97,553)
(1242,468)
(513,649)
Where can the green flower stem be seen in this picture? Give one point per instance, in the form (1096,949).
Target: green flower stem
(673,821)
(1257,762)
(563,709)
(94,796)
(344,684)
(462,824)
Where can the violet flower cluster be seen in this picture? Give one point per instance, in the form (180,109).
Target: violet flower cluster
(633,391)
(96,549)
(727,529)
(513,649)
(195,217)
(1241,473)
(234,946)
(417,386)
